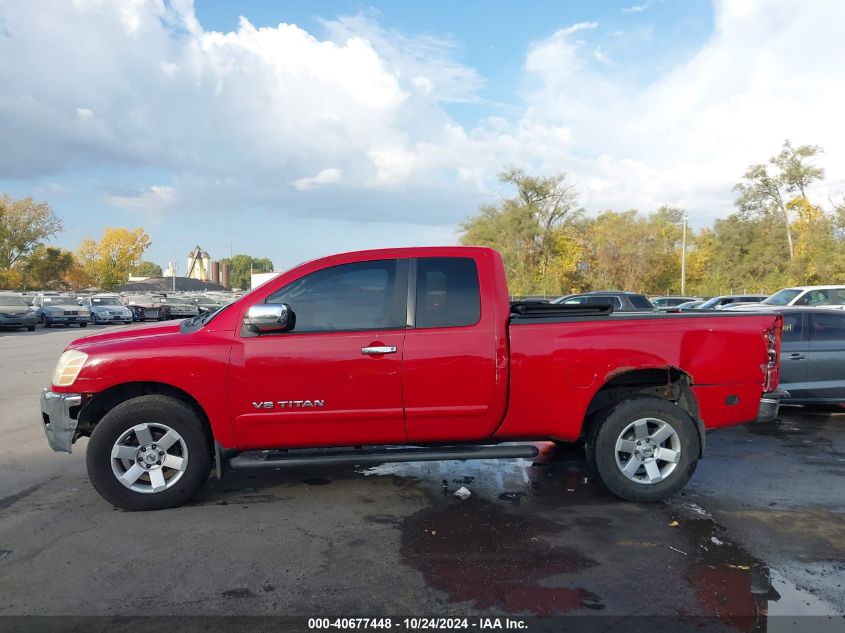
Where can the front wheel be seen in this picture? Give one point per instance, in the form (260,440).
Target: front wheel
(83,324)
(644,448)
(149,453)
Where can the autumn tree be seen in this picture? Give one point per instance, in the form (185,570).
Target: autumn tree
(45,268)
(109,260)
(767,189)
(536,231)
(24,225)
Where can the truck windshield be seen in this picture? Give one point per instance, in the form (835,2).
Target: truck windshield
(782,297)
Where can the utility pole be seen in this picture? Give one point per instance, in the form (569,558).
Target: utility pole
(174,273)
(684,258)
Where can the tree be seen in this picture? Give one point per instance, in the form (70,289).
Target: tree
(109,261)
(764,193)
(536,231)
(45,268)
(24,225)
(146,269)
(241,266)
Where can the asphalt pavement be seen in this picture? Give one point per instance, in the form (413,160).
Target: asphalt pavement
(759,532)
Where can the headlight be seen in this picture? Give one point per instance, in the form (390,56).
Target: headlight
(68,368)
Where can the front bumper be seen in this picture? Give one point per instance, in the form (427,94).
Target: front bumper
(769,405)
(67,318)
(57,411)
(23,320)
(107,317)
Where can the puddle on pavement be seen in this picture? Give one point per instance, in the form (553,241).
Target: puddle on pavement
(475,551)
(733,585)
(558,476)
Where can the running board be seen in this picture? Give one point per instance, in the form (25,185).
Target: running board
(311,457)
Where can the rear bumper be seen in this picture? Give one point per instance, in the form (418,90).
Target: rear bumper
(59,425)
(769,405)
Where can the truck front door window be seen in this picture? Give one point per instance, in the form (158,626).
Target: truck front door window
(349,297)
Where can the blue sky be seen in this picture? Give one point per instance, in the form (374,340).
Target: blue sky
(290,130)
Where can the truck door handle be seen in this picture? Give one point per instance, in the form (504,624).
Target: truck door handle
(796,356)
(384,349)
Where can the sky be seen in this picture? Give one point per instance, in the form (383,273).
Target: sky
(292,130)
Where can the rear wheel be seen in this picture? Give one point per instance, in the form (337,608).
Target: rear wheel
(30,328)
(644,449)
(149,453)
(83,324)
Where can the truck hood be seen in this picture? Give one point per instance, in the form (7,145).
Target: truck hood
(149,331)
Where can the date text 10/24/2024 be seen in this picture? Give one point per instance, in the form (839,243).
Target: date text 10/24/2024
(417,624)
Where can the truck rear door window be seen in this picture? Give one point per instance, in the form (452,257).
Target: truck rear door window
(359,296)
(448,294)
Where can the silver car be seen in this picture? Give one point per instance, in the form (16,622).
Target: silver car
(16,313)
(107,309)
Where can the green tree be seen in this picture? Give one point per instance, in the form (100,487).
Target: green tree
(241,266)
(146,269)
(24,225)
(109,260)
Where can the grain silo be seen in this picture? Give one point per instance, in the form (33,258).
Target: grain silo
(224,275)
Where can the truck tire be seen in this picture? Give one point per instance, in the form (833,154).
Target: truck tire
(149,453)
(644,449)
(83,324)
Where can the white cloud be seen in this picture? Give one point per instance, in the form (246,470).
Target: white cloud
(249,119)
(328,176)
(151,203)
(637,8)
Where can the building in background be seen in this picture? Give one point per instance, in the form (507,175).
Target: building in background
(203,268)
(256,279)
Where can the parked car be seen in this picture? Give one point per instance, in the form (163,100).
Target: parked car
(338,355)
(620,300)
(691,305)
(205,304)
(15,313)
(145,308)
(56,309)
(720,302)
(179,307)
(812,366)
(672,301)
(107,309)
(833,296)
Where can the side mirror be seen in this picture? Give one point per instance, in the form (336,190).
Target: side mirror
(270,317)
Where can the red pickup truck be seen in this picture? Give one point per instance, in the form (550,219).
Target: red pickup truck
(405,354)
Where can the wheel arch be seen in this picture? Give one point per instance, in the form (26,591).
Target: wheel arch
(101,403)
(669,383)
